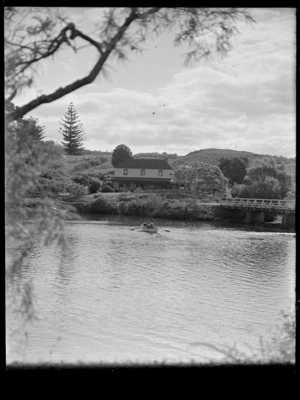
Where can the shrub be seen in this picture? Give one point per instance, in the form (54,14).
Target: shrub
(123,208)
(51,187)
(107,188)
(75,189)
(54,171)
(94,185)
(101,206)
(82,179)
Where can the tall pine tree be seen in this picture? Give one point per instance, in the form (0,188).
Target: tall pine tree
(72,131)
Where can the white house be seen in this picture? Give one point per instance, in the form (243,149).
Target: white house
(144,173)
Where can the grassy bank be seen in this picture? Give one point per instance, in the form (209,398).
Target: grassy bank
(150,206)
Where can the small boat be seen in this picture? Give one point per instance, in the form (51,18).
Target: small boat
(148,227)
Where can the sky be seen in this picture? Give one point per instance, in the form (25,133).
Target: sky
(153,103)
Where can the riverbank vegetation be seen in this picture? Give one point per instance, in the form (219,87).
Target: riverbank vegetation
(171,206)
(27,158)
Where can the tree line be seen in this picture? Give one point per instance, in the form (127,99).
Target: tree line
(264,178)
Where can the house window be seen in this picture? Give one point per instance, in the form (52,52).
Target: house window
(160,172)
(142,172)
(125,171)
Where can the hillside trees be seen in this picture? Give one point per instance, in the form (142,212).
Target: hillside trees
(120,154)
(234,169)
(34,34)
(202,179)
(265,179)
(72,131)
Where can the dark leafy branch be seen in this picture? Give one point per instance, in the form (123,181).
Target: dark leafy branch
(122,31)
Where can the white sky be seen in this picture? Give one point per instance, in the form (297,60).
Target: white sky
(245,101)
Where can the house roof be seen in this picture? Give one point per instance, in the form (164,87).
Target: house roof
(146,163)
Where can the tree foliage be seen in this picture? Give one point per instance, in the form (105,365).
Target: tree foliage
(265,179)
(120,154)
(234,169)
(95,185)
(28,130)
(23,165)
(202,178)
(72,132)
(92,183)
(35,34)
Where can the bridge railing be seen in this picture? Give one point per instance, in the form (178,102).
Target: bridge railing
(259,203)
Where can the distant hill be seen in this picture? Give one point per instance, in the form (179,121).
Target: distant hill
(213,156)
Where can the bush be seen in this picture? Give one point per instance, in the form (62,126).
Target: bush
(75,189)
(94,185)
(101,206)
(50,187)
(123,208)
(107,188)
(55,171)
(92,182)
(82,179)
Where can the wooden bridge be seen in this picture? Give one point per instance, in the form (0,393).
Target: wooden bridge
(254,210)
(281,206)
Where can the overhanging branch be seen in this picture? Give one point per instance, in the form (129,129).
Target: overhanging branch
(104,54)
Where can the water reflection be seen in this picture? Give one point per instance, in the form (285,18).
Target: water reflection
(67,261)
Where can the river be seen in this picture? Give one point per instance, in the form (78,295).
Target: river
(117,295)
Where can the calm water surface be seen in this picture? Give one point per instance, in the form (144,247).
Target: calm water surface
(118,295)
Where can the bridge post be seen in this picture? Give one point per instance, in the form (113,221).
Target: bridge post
(288,220)
(258,216)
(253,216)
(248,216)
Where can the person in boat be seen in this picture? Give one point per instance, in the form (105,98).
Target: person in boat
(148,224)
